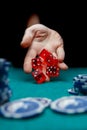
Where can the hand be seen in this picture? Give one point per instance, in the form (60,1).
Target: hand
(36,38)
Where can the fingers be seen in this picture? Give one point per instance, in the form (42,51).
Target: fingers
(63,66)
(27,62)
(61,56)
(60,53)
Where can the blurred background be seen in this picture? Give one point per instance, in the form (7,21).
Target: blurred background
(67,18)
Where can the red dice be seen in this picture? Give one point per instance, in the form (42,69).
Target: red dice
(36,63)
(52,71)
(47,63)
(46,56)
(39,76)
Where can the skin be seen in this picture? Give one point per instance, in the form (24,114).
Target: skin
(36,38)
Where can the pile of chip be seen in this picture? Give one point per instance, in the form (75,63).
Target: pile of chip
(33,106)
(79,84)
(5,91)
(24,107)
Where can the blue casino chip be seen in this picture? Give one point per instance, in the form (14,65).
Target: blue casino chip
(5,91)
(21,109)
(43,100)
(80,82)
(82,76)
(73,91)
(70,105)
(79,85)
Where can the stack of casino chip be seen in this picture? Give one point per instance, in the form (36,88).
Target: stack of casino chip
(79,84)
(5,90)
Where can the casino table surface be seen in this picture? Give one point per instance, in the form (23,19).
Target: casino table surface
(23,85)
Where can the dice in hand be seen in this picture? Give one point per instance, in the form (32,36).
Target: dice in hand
(46,63)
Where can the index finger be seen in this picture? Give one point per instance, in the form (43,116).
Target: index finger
(27,61)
